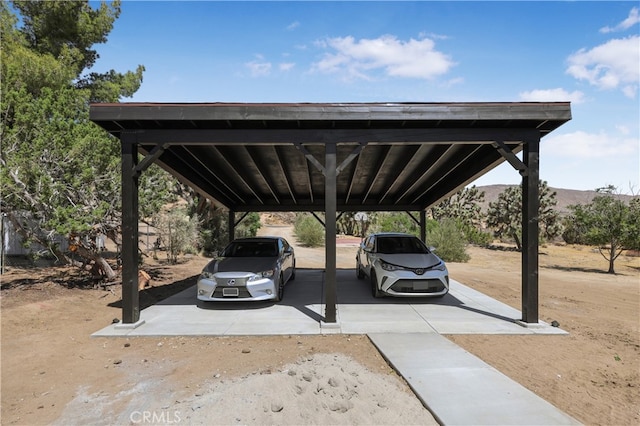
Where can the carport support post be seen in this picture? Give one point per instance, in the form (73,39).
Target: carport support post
(423,225)
(530,206)
(231,225)
(330,205)
(130,295)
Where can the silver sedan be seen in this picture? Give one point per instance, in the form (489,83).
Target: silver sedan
(249,269)
(401,265)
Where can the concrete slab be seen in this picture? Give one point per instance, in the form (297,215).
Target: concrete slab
(462,311)
(459,388)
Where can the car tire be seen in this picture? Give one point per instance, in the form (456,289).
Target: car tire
(359,272)
(293,272)
(375,291)
(279,290)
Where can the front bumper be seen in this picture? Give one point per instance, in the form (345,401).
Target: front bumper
(225,287)
(405,283)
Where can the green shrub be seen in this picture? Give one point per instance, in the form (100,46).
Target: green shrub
(249,226)
(178,231)
(448,240)
(308,230)
(396,222)
(476,236)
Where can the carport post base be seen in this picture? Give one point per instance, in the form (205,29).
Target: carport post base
(129,326)
(524,324)
(330,327)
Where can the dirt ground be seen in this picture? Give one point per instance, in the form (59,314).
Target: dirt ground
(53,372)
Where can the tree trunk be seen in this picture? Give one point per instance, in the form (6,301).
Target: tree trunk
(517,240)
(100,261)
(62,257)
(612,259)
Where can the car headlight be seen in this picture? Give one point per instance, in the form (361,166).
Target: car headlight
(387,266)
(440,267)
(206,275)
(263,274)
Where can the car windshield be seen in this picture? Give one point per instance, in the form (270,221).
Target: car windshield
(399,245)
(251,249)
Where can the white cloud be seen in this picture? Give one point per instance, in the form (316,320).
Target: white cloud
(292,26)
(286,66)
(397,58)
(585,145)
(552,95)
(632,19)
(613,65)
(259,67)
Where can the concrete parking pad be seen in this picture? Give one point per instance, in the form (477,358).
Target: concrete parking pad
(462,311)
(457,387)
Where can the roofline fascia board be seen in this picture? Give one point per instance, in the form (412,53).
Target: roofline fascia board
(333,136)
(327,111)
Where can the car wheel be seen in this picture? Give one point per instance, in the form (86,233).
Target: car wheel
(375,291)
(279,289)
(359,272)
(293,272)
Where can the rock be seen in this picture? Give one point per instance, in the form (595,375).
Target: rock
(276,407)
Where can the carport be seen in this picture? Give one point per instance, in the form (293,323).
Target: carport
(329,158)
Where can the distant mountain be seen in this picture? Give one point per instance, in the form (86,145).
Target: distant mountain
(565,197)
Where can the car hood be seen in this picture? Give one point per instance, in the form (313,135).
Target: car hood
(241,264)
(412,260)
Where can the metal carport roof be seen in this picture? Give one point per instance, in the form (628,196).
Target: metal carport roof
(332,158)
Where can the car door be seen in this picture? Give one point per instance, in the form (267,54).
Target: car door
(368,251)
(286,254)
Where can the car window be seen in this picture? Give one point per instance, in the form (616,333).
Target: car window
(400,245)
(368,244)
(251,249)
(386,245)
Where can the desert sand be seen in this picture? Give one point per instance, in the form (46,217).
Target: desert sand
(53,372)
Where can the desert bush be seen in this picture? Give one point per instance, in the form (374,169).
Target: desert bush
(178,232)
(308,230)
(395,222)
(249,226)
(476,236)
(448,240)
(214,229)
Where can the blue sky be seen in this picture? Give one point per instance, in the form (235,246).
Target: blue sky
(582,51)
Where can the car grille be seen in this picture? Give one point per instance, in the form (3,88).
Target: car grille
(417,286)
(242,292)
(231,282)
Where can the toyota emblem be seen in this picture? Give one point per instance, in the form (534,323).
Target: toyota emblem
(419,271)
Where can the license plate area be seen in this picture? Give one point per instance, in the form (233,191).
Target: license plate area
(230,292)
(421,285)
